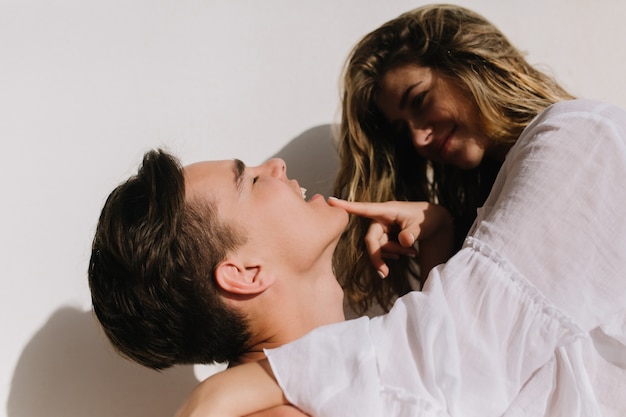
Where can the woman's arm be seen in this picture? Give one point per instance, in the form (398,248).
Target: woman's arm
(280,411)
(236,392)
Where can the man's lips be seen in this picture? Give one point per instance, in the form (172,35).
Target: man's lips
(300,190)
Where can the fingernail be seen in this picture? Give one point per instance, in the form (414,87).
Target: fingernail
(332,198)
(381,275)
(412,237)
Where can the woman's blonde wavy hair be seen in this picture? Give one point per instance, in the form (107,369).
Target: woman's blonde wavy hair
(376,166)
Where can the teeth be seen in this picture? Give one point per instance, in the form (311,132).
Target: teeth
(303,191)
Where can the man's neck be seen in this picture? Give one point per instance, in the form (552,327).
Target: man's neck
(287,311)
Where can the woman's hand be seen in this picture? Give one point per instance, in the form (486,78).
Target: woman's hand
(397,225)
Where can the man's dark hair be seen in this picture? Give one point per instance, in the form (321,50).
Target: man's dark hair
(151,271)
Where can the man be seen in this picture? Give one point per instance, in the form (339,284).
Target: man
(192,265)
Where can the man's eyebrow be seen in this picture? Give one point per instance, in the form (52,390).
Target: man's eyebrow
(238,169)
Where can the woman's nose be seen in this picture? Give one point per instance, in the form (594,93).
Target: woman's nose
(421,137)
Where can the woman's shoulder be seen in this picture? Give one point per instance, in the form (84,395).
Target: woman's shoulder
(568,135)
(575,121)
(581,109)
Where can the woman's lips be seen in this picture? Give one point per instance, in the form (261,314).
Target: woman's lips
(442,146)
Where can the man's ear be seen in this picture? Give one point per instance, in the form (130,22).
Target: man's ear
(235,277)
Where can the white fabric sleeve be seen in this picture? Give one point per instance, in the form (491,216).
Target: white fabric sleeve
(503,331)
(331,371)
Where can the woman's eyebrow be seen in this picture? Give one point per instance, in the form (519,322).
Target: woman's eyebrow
(238,169)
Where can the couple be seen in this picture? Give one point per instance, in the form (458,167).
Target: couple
(221,262)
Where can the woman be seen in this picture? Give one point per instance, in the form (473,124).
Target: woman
(432,102)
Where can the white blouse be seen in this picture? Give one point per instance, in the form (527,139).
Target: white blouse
(528,319)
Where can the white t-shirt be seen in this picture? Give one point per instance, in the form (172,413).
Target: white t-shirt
(528,319)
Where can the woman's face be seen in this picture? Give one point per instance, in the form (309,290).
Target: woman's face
(438,117)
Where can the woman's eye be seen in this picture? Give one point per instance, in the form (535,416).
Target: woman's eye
(418,100)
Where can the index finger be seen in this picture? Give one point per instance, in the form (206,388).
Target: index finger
(371,210)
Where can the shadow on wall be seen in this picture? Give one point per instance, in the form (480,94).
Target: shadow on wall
(68,369)
(312,159)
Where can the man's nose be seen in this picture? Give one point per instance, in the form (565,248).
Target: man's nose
(276,167)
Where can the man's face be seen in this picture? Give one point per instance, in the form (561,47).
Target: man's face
(270,210)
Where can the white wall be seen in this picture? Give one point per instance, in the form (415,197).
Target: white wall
(87,86)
